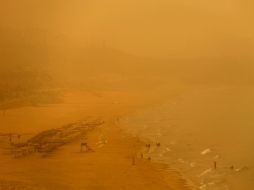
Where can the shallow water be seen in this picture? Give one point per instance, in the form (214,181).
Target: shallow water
(199,127)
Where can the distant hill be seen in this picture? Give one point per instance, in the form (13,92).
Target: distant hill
(23,67)
(34,60)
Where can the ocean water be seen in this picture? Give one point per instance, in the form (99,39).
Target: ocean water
(195,128)
(198,129)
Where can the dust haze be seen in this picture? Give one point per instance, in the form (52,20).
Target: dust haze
(98,75)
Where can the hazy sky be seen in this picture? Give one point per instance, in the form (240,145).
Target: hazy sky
(164,28)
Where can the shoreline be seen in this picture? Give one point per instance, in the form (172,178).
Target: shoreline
(114,163)
(109,166)
(159,173)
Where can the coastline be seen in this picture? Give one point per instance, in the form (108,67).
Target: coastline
(109,166)
(114,163)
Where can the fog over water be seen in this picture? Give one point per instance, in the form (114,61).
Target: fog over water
(175,71)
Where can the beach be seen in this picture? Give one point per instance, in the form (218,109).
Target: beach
(114,162)
(206,133)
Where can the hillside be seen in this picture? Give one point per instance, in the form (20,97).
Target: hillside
(24,78)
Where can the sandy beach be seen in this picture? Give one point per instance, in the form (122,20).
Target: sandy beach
(135,95)
(114,162)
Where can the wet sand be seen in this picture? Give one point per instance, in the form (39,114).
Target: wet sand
(114,163)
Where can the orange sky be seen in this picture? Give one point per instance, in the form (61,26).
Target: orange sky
(162,28)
